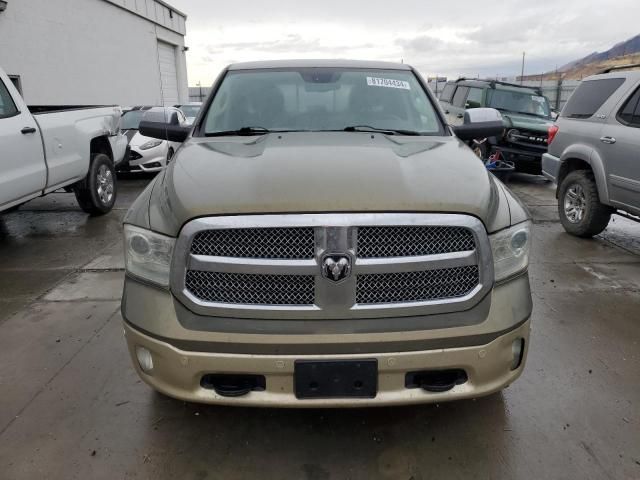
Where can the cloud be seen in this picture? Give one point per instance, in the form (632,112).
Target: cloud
(421,43)
(465,37)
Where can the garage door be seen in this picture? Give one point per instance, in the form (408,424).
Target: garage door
(168,74)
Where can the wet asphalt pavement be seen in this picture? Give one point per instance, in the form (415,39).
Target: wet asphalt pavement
(71,405)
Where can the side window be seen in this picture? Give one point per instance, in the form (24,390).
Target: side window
(7,107)
(590,96)
(474,99)
(447,93)
(460,96)
(629,114)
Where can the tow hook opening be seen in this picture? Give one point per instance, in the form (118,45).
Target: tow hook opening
(233,385)
(436,381)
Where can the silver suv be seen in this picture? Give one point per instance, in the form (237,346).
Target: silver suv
(594,152)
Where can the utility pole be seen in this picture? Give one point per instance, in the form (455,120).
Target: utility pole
(522,72)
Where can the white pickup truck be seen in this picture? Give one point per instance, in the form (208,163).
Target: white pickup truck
(43,149)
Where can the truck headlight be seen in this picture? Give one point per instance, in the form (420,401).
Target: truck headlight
(150,144)
(148,254)
(510,249)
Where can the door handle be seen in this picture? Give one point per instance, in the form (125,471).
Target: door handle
(460,115)
(447,112)
(608,140)
(27,130)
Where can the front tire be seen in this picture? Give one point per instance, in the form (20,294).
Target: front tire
(96,194)
(481,149)
(579,207)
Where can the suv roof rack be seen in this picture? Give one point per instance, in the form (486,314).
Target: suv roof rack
(619,67)
(493,83)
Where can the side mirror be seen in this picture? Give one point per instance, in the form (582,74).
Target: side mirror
(164,131)
(480,123)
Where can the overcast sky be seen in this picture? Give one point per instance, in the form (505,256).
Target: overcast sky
(448,37)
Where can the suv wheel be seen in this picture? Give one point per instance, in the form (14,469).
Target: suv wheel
(581,212)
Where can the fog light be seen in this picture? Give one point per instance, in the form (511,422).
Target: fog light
(517,350)
(145,360)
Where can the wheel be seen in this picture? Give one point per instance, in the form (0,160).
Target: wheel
(581,212)
(96,194)
(169,155)
(481,149)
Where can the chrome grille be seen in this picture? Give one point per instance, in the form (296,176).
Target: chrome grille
(400,241)
(272,266)
(251,289)
(417,286)
(274,243)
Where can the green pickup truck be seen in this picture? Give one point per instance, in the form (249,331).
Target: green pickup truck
(525,111)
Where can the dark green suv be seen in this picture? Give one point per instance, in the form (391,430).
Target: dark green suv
(525,111)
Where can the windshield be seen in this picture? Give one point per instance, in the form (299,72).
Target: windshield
(131,120)
(190,110)
(321,99)
(519,102)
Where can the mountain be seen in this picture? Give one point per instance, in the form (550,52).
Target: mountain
(622,49)
(623,53)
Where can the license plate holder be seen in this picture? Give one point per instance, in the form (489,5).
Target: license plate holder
(336,378)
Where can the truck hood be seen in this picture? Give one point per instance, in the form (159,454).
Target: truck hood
(526,122)
(322,172)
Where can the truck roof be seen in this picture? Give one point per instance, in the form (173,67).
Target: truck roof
(626,74)
(319,64)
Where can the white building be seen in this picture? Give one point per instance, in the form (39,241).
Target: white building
(90,52)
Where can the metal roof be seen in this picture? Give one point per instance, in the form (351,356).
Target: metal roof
(319,64)
(171,7)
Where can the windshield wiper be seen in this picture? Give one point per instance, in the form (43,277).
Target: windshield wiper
(247,131)
(531,114)
(386,131)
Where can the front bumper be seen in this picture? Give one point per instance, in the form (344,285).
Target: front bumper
(527,158)
(178,373)
(185,347)
(151,160)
